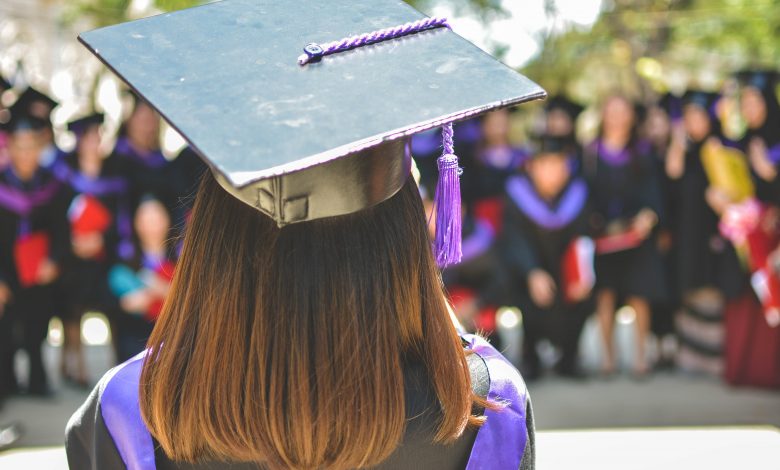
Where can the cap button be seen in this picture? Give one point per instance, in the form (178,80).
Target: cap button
(314,52)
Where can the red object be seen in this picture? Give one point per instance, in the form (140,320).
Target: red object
(165,273)
(618,242)
(752,346)
(491,211)
(88,215)
(577,268)
(30,251)
(766,285)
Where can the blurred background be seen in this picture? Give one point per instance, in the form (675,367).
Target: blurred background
(643,312)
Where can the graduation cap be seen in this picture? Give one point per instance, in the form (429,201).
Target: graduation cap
(302,136)
(79,126)
(560,102)
(21,120)
(36,103)
(703,99)
(544,144)
(763,80)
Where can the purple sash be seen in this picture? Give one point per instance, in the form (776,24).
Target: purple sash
(478,242)
(571,203)
(23,202)
(499,444)
(122,415)
(153,159)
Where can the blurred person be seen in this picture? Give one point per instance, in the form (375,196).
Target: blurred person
(561,115)
(761,143)
(546,217)
(495,160)
(142,283)
(656,128)
(4,115)
(138,150)
(707,268)
(34,244)
(40,106)
(101,231)
(306,326)
(627,206)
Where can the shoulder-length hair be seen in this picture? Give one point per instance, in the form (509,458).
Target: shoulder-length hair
(287,346)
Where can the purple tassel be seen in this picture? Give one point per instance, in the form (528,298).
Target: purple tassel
(447,246)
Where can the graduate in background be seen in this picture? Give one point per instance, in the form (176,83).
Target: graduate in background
(34,244)
(101,233)
(560,116)
(138,150)
(627,206)
(707,266)
(761,143)
(4,85)
(40,106)
(141,283)
(545,230)
(495,160)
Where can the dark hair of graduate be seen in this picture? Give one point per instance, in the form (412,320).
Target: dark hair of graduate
(287,346)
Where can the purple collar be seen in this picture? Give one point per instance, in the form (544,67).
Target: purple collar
(153,159)
(569,206)
(21,201)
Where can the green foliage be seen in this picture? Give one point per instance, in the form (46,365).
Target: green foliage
(645,46)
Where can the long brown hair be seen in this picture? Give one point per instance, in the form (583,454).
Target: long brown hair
(287,346)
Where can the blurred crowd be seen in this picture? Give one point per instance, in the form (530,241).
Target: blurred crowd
(663,212)
(84,231)
(669,208)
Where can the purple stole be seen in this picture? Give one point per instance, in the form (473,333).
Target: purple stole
(570,205)
(154,159)
(22,202)
(499,444)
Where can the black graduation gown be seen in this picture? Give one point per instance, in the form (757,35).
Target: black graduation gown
(89,444)
(704,258)
(621,184)
(769,133)
(31,307)
(84,280)
(147,175)
(536,235)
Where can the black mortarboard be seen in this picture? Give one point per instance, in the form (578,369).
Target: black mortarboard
(548,143)
(564,104)
(764,80)
(36,103)
(79,126)
(230,77)
(4,84)
(703,99)
(22,120)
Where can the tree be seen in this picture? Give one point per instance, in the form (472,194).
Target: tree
(648,46)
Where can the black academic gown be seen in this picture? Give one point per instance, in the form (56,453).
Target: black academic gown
(621,184)
(90,445)
(31,307)
(84,280)
(704,258)
(147,174)
(536,235)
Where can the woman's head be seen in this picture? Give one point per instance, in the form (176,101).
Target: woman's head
(143,126)
(287,345)
(88,144)
(618,116)
(25,147)
(495,127)
(152,223)
(753,107)
(697,122)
